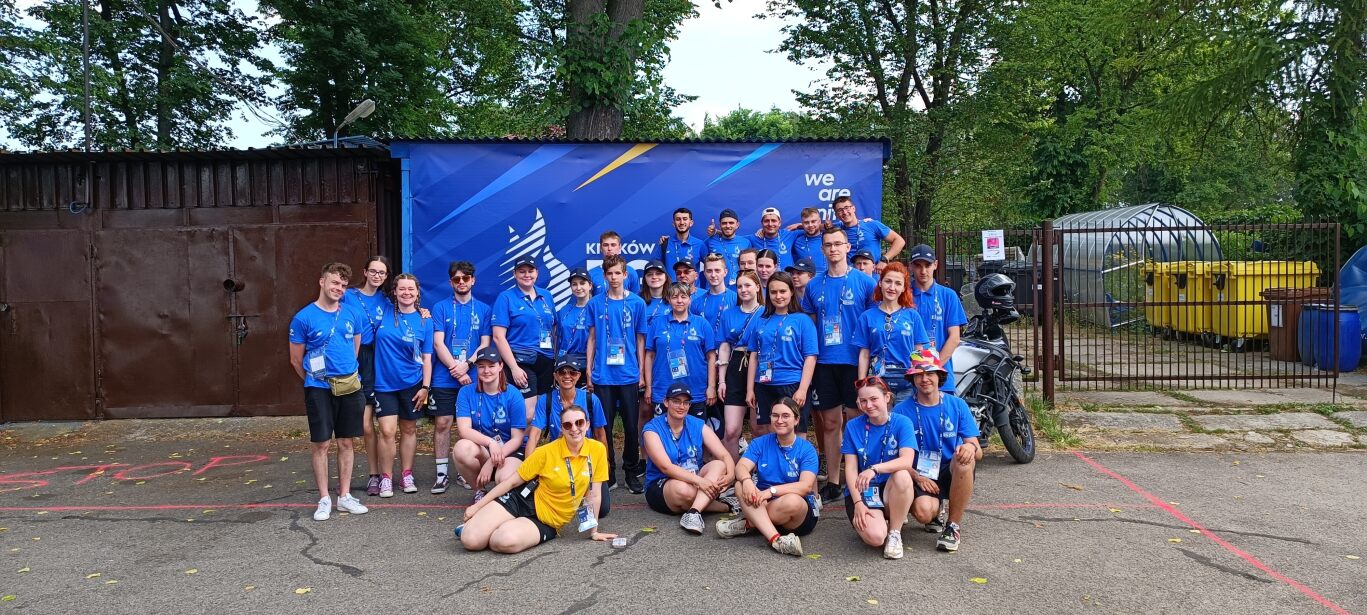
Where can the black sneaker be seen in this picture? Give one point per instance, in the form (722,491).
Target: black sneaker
(634,483)
(949,540)
(831,493)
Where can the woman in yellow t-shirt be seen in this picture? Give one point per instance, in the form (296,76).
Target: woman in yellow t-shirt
(560,483)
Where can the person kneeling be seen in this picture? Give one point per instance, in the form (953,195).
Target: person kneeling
(880,454)
(560,483)
(776,479)
(945,465)
(676,479)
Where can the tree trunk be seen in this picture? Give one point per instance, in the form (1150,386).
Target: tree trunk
(124,102)
(598,116)
(165,59)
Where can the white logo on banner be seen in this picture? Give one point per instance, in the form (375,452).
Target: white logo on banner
(533,243)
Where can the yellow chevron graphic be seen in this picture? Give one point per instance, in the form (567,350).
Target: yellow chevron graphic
(631,154)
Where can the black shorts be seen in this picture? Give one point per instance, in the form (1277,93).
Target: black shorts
(849,503)
(366,359)
(945,481)
(833,386)
(398,403)
(766,395)
(737,374)
(446,402)
(655,497)
(539,376)
(808,524)
(330,416)
(521,503)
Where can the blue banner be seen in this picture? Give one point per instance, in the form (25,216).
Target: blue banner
(490,203)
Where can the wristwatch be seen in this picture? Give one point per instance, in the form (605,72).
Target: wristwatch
(773,493)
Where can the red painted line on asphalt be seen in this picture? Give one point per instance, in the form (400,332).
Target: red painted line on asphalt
(1255,562)
(378,505)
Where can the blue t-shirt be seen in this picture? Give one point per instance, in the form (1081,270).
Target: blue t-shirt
(730,249)
(783,343)
(655,310)
(675,251)
(372,306)
(685,452)
(943,426)
(890,339)
(615,324)
(809,246)
(733,324)
(494,415)
(710,306)
(401,342)
(780,465)
(940,309)
(837,303)
(572,329)
(680,347)
(330,335)
(867,236)
(528,321)
(871,444)
(463,325)
(781,244)
(582,398)
(632,283)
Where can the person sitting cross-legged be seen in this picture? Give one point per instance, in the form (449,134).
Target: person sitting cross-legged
(677,480)
(776,484)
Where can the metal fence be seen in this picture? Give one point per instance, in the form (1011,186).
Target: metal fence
(1171,307)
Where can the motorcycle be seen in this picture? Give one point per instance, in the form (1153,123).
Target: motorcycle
(988,376)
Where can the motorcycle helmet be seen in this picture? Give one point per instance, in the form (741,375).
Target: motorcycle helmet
(997,293)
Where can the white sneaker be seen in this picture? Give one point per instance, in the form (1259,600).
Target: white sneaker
(788,544)
(692,522)
(349,503)
(324,510)
(892,549)
(409,486)
(731,528)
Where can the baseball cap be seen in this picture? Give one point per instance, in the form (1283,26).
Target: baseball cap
(729,213)
(923,252)
(569,362)
(655,265)
(804,265)
(524,260)
(580,272)
(679,389)
(862,254)
(488,353)
(770,211)
(684,263)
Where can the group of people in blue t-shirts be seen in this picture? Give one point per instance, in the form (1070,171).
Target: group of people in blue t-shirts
(780,334)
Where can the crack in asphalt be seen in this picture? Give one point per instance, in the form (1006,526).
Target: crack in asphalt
(201,521)
(352,571)
(615,551)
(585,603)
(1211,563)
(508,573)
(1172,526)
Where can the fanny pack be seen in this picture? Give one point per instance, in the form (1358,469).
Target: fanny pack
(525,357)
(344,385)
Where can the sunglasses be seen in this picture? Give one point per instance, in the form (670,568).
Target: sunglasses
(461,279)
(575,424)
(871,381)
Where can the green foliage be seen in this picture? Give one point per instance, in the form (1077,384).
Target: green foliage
(146,92)
(750,124)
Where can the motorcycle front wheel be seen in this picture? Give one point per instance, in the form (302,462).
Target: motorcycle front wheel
(1017,435)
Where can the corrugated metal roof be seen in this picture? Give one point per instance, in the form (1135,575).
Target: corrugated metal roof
(130,155)
(884,141)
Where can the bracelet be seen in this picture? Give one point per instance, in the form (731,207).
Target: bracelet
(745,478)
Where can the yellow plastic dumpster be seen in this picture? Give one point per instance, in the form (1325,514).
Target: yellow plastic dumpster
(1191,285)
(1246,281)
(1156,290)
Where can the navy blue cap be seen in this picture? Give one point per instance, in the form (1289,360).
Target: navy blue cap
(923,252)
(679,389)
(580,272)
(729,213)
(862,254)
(524,260)
(683,262)
(655,265)
(571,362)
(488,353)
(804,265)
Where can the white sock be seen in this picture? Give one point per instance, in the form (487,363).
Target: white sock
(441,466)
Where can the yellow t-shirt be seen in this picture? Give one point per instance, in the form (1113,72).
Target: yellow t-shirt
(555,505)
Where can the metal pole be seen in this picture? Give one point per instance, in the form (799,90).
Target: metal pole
(940,274)
(1046,307)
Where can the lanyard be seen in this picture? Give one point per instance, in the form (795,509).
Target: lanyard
(825,289)
(669,335)
(533,303)
(772,347)
(569,469)
(882,442)
(920,433)
(787,462)
(622,316)
(683,435)
(479,412)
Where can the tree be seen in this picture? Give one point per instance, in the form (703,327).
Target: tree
(900,67)
(164,73)
(749,124)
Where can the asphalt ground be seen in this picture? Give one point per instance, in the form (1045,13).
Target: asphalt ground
(156,531)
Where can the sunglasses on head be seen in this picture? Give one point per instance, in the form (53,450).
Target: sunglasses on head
(576,423)
(871,381)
